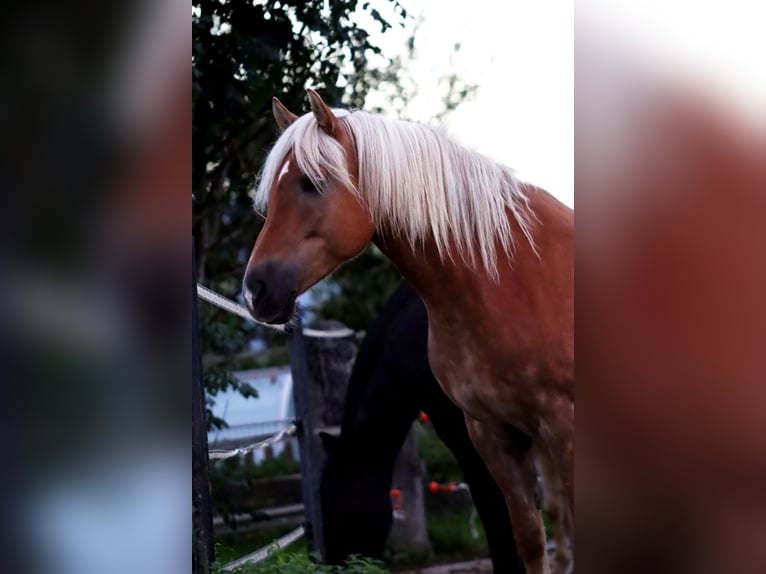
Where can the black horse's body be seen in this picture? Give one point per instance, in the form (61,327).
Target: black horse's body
(390,383)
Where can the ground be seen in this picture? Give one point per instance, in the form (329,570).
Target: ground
(483,566)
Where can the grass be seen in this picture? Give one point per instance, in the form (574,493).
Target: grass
(235,545)
(300,563)
(451,537)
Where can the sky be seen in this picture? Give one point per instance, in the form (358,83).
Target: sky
(718,45)
(520,54)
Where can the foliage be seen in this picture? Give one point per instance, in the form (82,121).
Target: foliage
(400,556)
(440,464)
(218,380)
(284,563)
(449,528)
(451,538)
(234,469)
(231,546)
(406,86)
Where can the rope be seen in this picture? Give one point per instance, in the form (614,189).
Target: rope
(267,550)
(227,305)
(221,454)
(240,310)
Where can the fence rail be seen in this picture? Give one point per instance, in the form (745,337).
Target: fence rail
(268,550)
(248,431)
(285,432)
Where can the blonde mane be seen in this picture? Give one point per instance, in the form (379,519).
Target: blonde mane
(415,181)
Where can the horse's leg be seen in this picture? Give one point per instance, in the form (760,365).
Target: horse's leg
(449,423)
(510,459)
(491,508)
(560,442)
(555,505)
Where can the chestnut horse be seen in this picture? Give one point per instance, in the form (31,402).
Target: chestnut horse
(390,383)
(491,258)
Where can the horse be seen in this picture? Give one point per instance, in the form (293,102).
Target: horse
(490,256)
(390,383)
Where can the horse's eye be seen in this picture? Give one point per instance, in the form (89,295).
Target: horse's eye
(307,185)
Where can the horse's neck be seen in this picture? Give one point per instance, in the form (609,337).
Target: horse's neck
(440,282)
(455,292)
(436,281)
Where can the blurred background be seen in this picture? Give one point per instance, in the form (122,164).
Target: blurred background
(94,216)
(94,260)
(670,152)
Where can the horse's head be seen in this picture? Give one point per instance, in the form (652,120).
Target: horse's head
(356,506)
(315,221)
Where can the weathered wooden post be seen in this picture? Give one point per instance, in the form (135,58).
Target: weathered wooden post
(330,360)
(307,446)
(320,368)
(411,532)
(203,551)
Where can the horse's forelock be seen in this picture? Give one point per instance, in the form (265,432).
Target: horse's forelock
(318,155)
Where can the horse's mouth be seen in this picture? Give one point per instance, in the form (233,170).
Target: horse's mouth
(267,310)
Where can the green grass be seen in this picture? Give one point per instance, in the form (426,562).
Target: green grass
(451,538)
(300,563)
(235,545)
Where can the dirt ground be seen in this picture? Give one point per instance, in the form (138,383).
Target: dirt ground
(471,567)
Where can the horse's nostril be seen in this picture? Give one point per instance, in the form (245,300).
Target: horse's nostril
(259,291)
(255,291)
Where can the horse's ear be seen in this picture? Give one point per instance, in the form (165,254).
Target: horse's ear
(328,441)
(282,115)
(323,114)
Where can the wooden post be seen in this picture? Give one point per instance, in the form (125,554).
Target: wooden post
(203,550)
(320,370)
(308,447)
(329,362)
(411,533)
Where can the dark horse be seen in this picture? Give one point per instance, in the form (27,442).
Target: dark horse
(390,384)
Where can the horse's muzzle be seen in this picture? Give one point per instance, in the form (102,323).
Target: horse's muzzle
(270,292)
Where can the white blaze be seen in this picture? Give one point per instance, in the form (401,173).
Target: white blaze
(284,170)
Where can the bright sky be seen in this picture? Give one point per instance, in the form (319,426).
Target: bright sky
(720,45)
(521,56)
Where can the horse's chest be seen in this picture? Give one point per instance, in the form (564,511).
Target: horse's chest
(505,385)
(468,377)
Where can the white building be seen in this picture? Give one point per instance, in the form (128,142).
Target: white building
(252,419)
